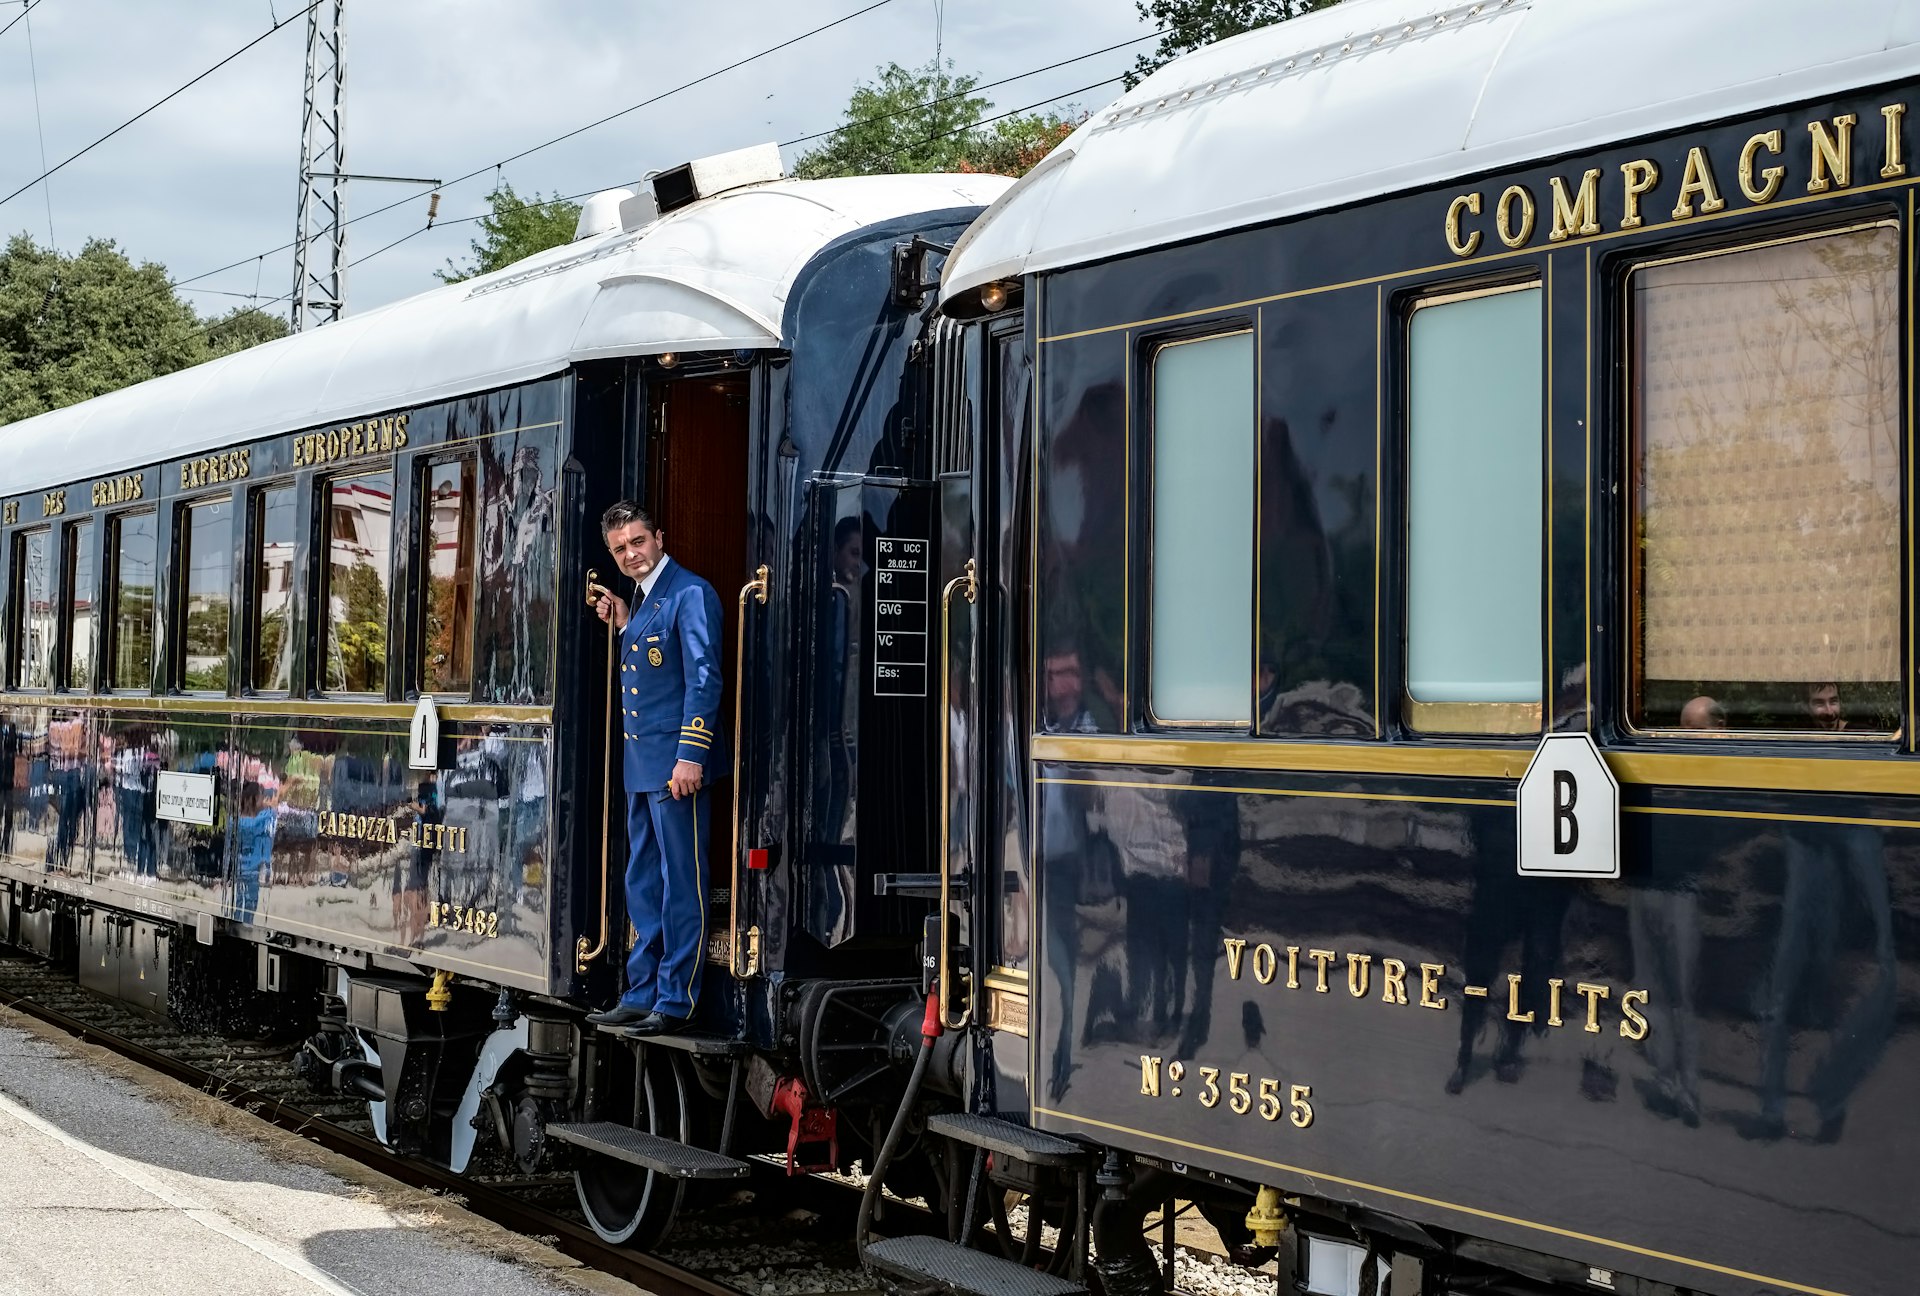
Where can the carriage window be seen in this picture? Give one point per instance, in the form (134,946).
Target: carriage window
(1766,487)
(78,561)
(1201,651)
(447,557)
(134,540)
(359,557)
(272,586)
(1474,524)
(206,595)
(33,622)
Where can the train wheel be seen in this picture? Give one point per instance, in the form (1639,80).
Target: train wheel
(625,1204)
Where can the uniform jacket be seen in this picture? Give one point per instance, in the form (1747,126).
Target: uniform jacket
(669,681)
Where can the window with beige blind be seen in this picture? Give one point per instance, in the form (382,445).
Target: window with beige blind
(1765,538)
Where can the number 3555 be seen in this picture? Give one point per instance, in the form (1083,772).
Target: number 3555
(1242,1098)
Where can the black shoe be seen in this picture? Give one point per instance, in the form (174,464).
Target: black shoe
(657,1023)
(618,1015)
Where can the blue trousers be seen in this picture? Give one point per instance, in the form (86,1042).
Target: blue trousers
(667,871)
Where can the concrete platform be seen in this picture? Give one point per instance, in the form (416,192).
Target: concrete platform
(116,1181)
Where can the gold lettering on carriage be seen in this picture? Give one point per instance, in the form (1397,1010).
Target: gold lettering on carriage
(1403,985)
(214,469)
(1820,160)
(386,831)
(119,490)
(349,441)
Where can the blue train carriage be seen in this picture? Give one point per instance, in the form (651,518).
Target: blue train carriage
(304,723)
(1433,701)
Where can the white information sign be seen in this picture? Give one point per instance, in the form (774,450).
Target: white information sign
(1569,810)
(184,798)
(423,736)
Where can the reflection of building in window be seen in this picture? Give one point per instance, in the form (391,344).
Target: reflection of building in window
(447,545)
(33,563)
(359,558)
(1766,456)
(79,576)
(206,594)
(134,537)
(273,590)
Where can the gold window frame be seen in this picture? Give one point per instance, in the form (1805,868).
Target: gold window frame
(1456,719)
(1631,674)
(1153,350)
(181,593)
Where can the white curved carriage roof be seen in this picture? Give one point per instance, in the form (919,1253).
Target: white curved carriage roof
(713,275)
(1374,96)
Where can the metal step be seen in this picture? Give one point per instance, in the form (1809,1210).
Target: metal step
(1008,1139)
(675,1160)
(701,1045)
(923,1260)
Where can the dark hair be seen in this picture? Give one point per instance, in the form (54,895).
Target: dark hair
(622,512)
(846,526)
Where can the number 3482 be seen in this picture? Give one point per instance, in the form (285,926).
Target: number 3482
(1241,1093)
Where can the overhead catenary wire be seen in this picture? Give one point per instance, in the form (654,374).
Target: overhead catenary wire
(39,124)
(170,95)
(446,222)
(31,6)
(1011,112)
(527,152)
(973,90)
(801,139)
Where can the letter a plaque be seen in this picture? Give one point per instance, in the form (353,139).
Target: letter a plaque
(1569,811)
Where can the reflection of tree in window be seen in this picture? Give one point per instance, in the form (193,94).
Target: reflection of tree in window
(447,551)
(207,555)
(79,564)
(1767,502)
(360,510)
(134,540)
(37,611)
(273,591)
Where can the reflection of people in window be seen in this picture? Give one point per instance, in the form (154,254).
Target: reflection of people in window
(1823,707)
(255,827)
(1703,713)
(1065,836)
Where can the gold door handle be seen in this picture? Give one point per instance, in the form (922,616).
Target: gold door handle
(755,589)
(584,953)
(969,585)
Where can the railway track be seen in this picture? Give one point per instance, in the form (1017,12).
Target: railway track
(256,1079)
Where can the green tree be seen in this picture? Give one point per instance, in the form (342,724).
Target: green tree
(927,118)
(906,120)
(514,228)
(74,326)
(1190,24)
(1016,145)
(243,327)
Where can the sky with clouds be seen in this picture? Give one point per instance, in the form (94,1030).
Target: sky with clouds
(439,88)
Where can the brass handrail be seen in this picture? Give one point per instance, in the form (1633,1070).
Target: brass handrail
(755,589)
(967,584)
(582,953)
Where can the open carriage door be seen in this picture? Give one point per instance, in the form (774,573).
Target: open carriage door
(983,401)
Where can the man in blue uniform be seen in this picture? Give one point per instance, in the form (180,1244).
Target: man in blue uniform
(669,693)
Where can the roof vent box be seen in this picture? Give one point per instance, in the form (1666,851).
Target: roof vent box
(690,182)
